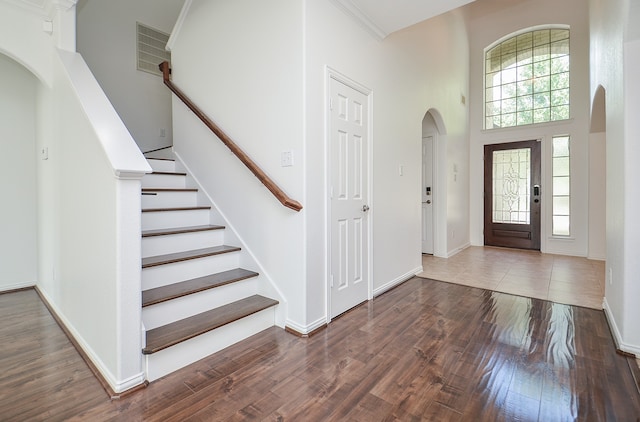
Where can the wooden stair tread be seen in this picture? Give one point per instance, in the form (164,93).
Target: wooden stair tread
(154,261)
(184,288)
(206,207)
(160,159)
(169,173)
(169,190)
(180,230)
(168,335)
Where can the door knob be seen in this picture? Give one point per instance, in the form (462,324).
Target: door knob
(365,208)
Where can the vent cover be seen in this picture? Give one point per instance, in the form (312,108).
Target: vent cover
(151,48)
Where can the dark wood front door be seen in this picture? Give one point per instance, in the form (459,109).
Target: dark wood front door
(512,199)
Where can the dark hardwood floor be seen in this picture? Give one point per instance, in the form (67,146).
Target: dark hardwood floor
(426,350)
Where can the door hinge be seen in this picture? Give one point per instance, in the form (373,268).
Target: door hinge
(331,280)
(330,103)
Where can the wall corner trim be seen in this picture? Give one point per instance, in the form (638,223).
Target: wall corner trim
(615,332)
(114,388)
(396,281)
(178,25)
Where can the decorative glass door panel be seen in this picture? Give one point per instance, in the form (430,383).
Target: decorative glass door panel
(512,195)
(511,186)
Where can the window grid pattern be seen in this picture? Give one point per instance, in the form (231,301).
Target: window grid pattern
(527,79)
(561,186)
(511,181)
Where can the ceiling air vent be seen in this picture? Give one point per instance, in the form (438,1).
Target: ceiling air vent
(151,48)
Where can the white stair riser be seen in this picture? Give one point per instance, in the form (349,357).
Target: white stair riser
(173,310)
(162,165)
(163,181)
(169,199)
(174,219)
(173,358)
(163,275)
(161,245)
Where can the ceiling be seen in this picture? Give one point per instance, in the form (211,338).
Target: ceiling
(384,17)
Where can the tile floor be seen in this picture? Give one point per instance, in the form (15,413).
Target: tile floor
(561,279)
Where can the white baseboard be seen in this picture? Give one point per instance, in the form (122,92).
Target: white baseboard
(306,329)
(16,286)
(617,337)
(458,250)
(118,386)
(398,280)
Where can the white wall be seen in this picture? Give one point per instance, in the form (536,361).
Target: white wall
(83,201)
(420,68)
(89,220)
(630,329)
(107,41)
(488,24)
(597,196)
(615,63)
(241,62)
(266,88)
(18,243)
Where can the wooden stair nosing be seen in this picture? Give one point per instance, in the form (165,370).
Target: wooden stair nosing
(169,190)
(196,285)
(180,230)
(153,261)
(169,173)
(161,159)
(171,334)
(203,207)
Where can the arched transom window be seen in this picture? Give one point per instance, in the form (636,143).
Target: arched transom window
(527,79)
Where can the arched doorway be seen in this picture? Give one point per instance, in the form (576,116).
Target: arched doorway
(433,196)
(18,175)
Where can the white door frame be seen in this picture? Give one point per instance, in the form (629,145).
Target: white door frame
(434,189)
(329,75)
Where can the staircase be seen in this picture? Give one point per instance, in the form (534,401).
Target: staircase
(196,298)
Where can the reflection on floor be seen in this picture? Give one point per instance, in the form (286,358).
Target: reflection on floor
(561,279)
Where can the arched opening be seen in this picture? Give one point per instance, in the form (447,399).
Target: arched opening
(18,175)
(598,176)
(433,194)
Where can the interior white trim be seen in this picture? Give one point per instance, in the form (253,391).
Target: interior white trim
(361,18)
(282,308)
(617,337)
(16,286)
(117,385)
(457,250)
(306,329)
(178,25)
(398,280)
(331,73)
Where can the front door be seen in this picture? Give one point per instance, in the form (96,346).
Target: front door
(427,195)
(512,195)
(349,197)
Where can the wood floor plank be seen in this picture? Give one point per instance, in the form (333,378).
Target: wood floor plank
(153,261)
(423,351)
(180,230)
(196,285)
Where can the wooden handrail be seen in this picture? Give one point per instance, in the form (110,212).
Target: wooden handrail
(235,149)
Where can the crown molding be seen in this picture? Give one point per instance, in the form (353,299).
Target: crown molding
(354,12)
